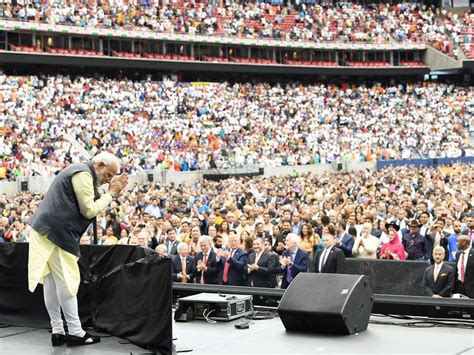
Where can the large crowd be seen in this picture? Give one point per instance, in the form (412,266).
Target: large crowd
(406,22)
(187,126)
(370,214)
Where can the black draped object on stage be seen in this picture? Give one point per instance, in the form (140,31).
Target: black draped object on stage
(125,291)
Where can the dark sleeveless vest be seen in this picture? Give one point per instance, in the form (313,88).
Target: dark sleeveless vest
(58,215)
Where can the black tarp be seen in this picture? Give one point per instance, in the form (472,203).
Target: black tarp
(125,291)
(390,277)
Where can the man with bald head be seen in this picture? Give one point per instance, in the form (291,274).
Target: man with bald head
(438,279)
(70,205)
(464,263)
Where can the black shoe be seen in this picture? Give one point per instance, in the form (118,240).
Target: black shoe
(87,339)
(58,339)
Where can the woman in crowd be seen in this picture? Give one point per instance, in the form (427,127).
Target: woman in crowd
(247,242)
(155,240)
(224,230)
(194,246)
(393,250)
(110,238)
(123,236)
(307,238)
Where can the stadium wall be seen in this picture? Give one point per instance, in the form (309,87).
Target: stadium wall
(437,60)
(41,184)
(424,162)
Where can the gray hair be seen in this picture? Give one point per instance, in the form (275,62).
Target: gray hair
(439,248)
(144,233)
(107,159)
(161,249)
(294,237)
(181,246)
(205,238)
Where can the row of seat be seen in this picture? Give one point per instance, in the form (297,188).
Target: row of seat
(123,54)
(169,56)
(238,60)
(412,63)
(25,49)
(254,61)
(315,63)
(375,64)
(85,52)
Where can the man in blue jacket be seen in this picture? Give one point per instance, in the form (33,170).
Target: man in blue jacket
(234,260)
(292,261)
(343,240)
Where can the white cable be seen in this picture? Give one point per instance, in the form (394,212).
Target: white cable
(206,316)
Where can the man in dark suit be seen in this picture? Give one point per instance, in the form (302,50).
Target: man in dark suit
(260,232)
(329,260)
(343,240)
(261,266)
(464,283)
(273,198)
(182,265)
(171,242)
(279,245)
(438,279)
(267,246)
(292,261)
(231,218)
(234,261)
(469,230)
(437,237)
(206,265)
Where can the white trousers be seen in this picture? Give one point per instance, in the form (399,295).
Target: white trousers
(57,296)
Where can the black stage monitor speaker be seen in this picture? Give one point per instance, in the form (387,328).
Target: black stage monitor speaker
(150,177)
(327,303)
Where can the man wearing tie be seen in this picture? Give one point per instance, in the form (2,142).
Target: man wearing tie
(260,267)
(464,283)
(234,261)
(330,260)
(206,266)
(292,261)
(171,242)
(182,265)
(469,231)
(438,279)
